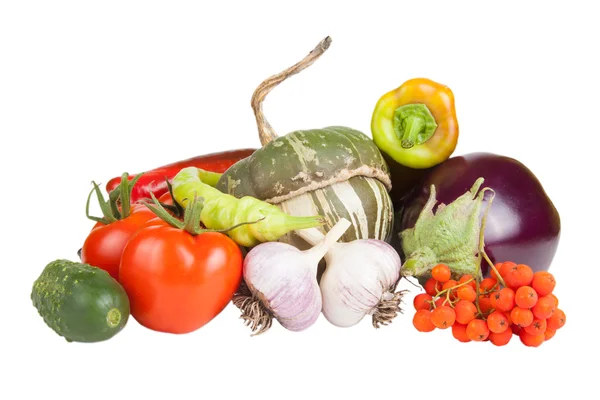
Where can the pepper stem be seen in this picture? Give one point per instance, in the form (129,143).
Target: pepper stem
(266,133)
(413,124)
(209,177)
(292,222)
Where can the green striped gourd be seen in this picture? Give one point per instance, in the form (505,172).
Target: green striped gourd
(336,172)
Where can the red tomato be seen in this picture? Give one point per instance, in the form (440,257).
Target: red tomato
(105,243)
(178,282)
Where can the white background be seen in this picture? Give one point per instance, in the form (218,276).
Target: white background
(91,89)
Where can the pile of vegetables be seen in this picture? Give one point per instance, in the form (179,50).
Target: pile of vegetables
(320,221)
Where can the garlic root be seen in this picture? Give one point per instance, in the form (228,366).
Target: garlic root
(388,308)
(254,313)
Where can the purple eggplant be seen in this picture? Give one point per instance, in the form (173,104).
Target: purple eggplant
(522,225)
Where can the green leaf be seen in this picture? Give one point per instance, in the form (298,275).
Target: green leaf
(450,236)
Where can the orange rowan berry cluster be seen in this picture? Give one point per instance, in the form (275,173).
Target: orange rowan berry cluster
(514,301)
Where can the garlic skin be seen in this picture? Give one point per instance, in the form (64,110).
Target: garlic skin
(360,279)
(294,296)
(280,282)
(359,275)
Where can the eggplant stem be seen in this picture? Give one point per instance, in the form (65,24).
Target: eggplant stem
(266,132)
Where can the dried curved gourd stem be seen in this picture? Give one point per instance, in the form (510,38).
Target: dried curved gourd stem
(265,130)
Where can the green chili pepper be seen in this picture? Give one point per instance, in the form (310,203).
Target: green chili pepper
(221,211)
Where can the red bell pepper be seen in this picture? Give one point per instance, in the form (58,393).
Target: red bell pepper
(155,180)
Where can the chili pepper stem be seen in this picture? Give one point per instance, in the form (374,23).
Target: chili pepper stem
(209,177)
(296,223)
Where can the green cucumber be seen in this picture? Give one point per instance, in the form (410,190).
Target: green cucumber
(80,302)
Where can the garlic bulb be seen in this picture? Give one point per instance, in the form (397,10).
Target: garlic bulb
(281,283)
(360,279)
